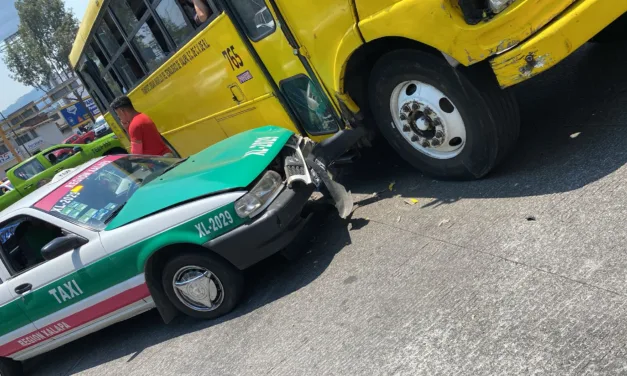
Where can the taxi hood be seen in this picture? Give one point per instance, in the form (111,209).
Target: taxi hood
(233,163)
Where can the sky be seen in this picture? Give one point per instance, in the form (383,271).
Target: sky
(9,20)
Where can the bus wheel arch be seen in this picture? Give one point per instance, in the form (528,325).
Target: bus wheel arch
(357,69)
(499,121)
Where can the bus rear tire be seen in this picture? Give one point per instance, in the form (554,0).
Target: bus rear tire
(452,124)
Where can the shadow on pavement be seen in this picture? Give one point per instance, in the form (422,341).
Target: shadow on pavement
(266,282)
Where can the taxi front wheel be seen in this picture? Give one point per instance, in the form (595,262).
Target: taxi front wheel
(202,285)
(450,123)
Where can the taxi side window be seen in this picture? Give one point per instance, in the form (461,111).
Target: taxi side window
(21,241)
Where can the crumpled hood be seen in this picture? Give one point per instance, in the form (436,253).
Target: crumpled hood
(230,164)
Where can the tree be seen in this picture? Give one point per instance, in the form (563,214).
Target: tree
(44,41)
(40,52)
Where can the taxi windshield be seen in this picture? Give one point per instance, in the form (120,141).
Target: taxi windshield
(95,195)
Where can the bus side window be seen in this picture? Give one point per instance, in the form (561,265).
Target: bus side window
(198,11)
(96,55)
(150,43)
(174,22)
(256,17)
(128,67)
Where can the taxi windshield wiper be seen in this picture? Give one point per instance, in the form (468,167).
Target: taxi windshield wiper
(172,166)
(115,212)
(158,173)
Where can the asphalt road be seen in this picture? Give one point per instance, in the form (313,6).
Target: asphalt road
(521,273)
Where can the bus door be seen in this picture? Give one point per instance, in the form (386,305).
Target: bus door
(279,53)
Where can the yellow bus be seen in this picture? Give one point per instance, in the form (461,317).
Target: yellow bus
(430,76)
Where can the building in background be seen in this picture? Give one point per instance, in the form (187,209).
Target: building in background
(45,122)
(39,125)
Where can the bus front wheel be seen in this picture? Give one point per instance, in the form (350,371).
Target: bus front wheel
(452,124)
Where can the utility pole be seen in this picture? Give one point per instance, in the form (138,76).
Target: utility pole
(15,135)
(6,140)
(18,141)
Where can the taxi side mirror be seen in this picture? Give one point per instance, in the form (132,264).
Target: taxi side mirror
(61,245)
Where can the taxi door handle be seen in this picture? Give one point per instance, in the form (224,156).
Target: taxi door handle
(29,186)
(23,289)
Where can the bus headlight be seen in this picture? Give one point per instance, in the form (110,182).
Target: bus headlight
(260,196)
(497,6)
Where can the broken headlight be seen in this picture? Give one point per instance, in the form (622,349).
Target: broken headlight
(262,194)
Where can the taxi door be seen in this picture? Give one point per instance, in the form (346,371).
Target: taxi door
(56,295)
(279,52)
(15,324)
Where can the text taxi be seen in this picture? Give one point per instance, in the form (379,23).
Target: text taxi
(123,234)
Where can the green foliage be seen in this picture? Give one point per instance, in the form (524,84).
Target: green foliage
(45,36)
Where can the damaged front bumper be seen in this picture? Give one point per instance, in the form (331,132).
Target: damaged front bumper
(310,162)
(305,165)
(562,36)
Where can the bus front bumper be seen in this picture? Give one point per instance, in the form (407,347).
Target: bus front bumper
(544,49)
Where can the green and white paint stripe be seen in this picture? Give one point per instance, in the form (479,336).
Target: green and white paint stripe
(99,289)
(76,316)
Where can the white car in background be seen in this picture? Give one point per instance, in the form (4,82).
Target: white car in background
(5,186)
(101,128)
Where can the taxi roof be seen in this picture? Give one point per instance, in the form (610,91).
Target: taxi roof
(85,29)
(42,192)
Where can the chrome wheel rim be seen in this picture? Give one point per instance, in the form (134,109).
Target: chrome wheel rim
(198,288)
(428,120)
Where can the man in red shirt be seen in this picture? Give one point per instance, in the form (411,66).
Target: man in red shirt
(145,138)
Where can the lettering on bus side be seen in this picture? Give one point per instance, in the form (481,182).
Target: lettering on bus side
(186,57)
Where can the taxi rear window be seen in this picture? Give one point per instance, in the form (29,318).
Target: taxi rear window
(94,195)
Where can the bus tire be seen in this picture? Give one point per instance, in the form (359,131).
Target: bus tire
(452,124)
